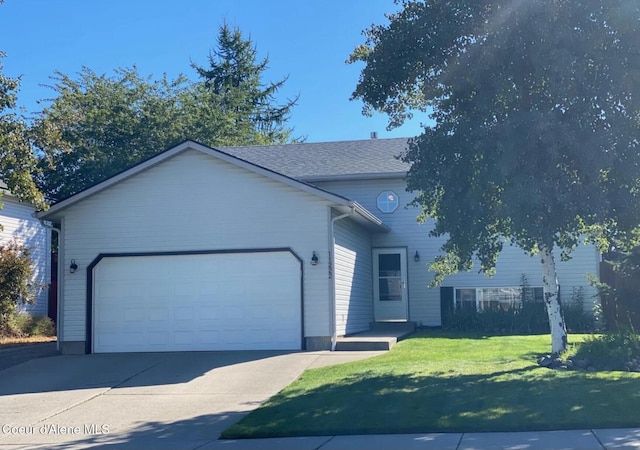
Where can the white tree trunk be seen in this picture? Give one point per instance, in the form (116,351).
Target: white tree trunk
(552,302)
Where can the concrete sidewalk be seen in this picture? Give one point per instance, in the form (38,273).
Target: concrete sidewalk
(535,440)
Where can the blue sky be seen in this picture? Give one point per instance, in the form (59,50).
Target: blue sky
(308,40)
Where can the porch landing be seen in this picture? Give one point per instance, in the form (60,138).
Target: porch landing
(381,336)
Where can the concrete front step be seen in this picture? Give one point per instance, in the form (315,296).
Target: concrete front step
(382,336)
(365,343)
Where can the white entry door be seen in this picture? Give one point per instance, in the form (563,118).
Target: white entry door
(390,299)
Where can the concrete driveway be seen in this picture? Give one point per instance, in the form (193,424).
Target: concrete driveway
(143,400)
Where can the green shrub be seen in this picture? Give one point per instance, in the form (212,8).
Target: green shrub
(610,351)
(42,326)
(533,317)
(463,319)
(577,319)
(16,285)
(10,326)
(529,317)
(526,319)
(25,325)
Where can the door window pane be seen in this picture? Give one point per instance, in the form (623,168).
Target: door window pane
(389,278)
(389,265)
(390,289)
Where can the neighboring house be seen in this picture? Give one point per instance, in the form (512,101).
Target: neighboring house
(18,223)
(270,247)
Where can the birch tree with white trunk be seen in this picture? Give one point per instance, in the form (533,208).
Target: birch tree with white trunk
(551,299)
(534,124)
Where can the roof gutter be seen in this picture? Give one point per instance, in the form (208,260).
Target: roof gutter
(363,212)
(332,319)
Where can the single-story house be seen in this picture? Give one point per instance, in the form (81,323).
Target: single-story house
(263,247)
(18,223)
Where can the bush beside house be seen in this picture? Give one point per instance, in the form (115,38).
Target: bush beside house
(16,284)
(528,316)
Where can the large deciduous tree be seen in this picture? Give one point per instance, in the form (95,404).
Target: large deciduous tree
(17,159)
(98,125)
(536,110)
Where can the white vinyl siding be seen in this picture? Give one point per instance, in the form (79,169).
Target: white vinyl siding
(197,202)
(424,302)
(17,221)
(353,278)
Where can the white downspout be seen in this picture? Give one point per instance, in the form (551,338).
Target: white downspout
(60,281)
(334,332)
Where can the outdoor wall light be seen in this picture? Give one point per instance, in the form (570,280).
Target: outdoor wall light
(314,259)
(73,267)
(416,257)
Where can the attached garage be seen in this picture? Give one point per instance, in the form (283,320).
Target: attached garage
(223,300)
(197,250)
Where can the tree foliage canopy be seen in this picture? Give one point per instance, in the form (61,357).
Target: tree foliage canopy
(99,125)
(17,159)
(536,106)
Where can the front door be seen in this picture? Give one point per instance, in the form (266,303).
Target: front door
(390,300)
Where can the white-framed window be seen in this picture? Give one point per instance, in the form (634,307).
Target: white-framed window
(495,297)
(387,201)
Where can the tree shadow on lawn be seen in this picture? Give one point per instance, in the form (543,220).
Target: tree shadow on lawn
(516,400)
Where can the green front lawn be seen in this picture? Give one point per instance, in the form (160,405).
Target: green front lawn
(445,382)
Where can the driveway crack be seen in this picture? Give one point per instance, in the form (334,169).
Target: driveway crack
(460,441)
(325,442)
(595,435)
(57,413)
(133,376)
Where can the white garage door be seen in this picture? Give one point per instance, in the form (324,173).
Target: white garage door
(238,301)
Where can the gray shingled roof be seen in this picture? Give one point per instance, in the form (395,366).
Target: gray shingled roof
(326,159)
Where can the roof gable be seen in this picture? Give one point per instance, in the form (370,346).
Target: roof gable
(342,203)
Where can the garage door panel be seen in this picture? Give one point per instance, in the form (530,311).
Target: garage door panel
(208,313)
(158,337)
(135,314)
(159,315)
(197,302)
(209,336)
(183,313)
(186,288)
(209,291)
